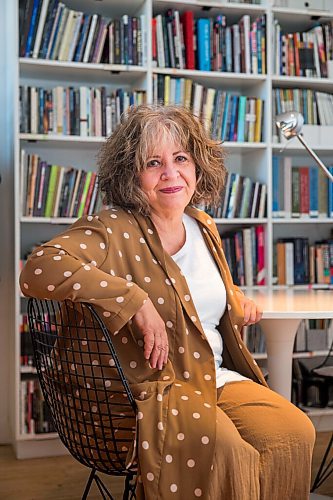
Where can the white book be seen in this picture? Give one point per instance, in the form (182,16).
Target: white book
(236,48)
(60,8)
(33,110)
(289,263)
(59,110)
(60,33)
(23,180)
(75,34)
(40,28)
(255,199)
(247,249)
(111,42)
(83,112)
(98,113)
(262,202)
(246,25)
(143,38)
(197,100)
(172,94)
(178,41)
(160,42)
(108,116)
(90,38)
(287,169)
(64,44)
(208,108)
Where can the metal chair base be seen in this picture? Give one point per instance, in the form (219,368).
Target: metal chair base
(129,491)
(325,469)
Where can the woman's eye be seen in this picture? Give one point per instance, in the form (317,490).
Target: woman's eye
(181,158)
(153,163)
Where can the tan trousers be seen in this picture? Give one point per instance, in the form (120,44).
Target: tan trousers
(263,446)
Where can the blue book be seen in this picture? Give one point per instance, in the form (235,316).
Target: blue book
(203,44)
(32,28)
(178,96)
(330,194)
(225,116)
(276,187)
(313,181)
(82,39)
(54,35)
(52,10)
(228,43)
(241,119)
(233,117)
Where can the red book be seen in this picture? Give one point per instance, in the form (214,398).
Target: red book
(89,194)
(154,41)
(188,29)
(261,273)
(304,191)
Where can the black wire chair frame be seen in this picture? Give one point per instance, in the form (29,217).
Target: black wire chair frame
(84,386)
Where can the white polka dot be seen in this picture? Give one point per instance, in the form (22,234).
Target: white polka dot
(142,240)
(84,342)
(95,362)
(229,307)
(179,385)
(57,257)
(236,327)
(150,476)
(57,245)
(254,362)
(173,488)
(120,300)
(173,280)
(205,439)
(126,236)
(124,339)
(103,284)
(129,277)
(89,218)
(83,246)
(196,415)
(133,364)
(26,286)
(186,331)
(196,355)
(145,445)
(65,237)
(186,375)
(40,253)
(160,426)
(107,383)
(116,333)
(88,232)
(160,300)
(106,314)
(140,415)
(240,346)
(159,397)
(147,279)
(169,324)
(138,258)
(109,230)
(168,459)
(150,231)
(207,377)
(187,298)
(168,282)
(93,263)
(38,271)
(111,362)
(102,245)
(120,253)
(198,392)
(207,405)
(184,398)
(166,377)
(198,492)
(190,463)
(51,288)
(113,216)
(154,261)
(209,221)
(174,411)
(76,286)
(193,318)
(180,436)
(94,409)
(181,350)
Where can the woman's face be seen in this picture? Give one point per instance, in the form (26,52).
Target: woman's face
(169,178)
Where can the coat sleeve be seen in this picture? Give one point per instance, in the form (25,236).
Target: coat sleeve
(69,267)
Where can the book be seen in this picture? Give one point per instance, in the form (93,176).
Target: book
(203,44)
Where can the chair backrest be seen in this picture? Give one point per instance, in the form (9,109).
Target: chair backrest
(83,384)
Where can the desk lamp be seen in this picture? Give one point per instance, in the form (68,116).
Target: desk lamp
(291,124)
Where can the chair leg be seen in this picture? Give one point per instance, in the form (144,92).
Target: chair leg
(324,470)
(129,488)
(88,485)
(103,489)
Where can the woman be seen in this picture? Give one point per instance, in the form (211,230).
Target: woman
(154,267)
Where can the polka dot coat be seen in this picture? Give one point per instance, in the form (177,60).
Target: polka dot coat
(115,260)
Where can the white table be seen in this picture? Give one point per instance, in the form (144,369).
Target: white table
(283,311)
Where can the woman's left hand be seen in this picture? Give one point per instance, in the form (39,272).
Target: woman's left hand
(252,312)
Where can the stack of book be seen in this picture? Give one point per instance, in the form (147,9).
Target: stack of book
(83,111)
(254,339)
(300,192)
(208,44)
(55,191)
(227,116)
(243,198)
(245,254)
(26,356)
(35,417)
(51,30)
(298,262)
(303,54)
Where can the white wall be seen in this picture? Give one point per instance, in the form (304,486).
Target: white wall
(7,69)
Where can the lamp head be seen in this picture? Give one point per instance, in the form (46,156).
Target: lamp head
(290,123)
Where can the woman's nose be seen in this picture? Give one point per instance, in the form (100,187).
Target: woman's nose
(170,170)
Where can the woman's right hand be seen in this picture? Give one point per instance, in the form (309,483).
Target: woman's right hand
(152,328)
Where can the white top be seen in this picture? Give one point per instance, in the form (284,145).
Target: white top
(208,295)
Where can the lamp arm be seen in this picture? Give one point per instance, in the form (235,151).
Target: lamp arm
(315,157)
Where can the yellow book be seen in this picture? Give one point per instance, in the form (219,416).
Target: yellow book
(188,93)
(257,129)
(167,84)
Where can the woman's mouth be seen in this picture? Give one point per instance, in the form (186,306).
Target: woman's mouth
(173,189)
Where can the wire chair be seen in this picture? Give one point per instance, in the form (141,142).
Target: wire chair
(83,384)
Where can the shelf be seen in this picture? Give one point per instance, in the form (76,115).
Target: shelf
(244,147)
(234,221)
(48,220)
(302,220)
(313,286)
(44,69)
(324,84)
(295,147)
(61,139)
(243,80)
(202,6)
(38,437)
(28,370)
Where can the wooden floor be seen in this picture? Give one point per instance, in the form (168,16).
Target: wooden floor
(62,478)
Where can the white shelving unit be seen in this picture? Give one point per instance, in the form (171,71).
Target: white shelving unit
(250,159)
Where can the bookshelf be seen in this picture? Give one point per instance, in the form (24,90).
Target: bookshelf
(252,159)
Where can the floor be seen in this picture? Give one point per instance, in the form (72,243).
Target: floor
(62,478)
